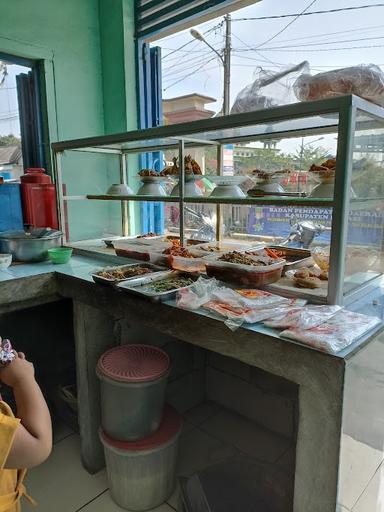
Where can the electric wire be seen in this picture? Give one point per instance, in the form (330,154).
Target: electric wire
(287,25)
(293,15)
(192,72)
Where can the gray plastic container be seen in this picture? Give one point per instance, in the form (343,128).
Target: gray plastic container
(133,380)
(141,475)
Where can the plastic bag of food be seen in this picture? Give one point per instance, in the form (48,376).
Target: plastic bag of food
(236,314)
(197,294)
(365,80)
(339,331)
(269,89)
(302,318)
(256,299)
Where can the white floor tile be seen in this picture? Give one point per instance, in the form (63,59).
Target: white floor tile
(61,484)
(246,436)
(198,450)
(359,462)
(372,499)
(201,413)
(105,504)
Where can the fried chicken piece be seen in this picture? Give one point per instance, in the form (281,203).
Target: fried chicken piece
(307,282)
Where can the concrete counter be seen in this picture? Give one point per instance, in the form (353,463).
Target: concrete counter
(340,431)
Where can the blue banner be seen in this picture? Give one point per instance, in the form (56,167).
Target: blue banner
(365,226)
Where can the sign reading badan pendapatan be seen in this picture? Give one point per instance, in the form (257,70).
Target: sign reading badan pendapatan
(365,226)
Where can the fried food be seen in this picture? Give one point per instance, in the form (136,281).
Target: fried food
(190,167)
(241,259)
(178,251)
(148,172)
(307,282)
(123,273)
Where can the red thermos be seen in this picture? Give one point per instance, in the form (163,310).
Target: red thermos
(39,199)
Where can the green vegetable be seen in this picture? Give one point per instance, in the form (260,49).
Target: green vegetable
(167,285)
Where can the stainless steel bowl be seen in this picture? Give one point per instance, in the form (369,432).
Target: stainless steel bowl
(31,245)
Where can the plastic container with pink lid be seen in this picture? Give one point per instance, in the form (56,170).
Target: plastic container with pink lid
(141,474)
(133,380)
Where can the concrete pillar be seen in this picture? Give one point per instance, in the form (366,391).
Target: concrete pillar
(93,336)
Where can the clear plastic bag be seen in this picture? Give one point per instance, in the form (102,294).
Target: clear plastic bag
(197,294)
(339,331)
(365,80)
(269,89)
(302,318)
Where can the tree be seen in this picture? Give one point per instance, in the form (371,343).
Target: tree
(9,140)
(307,155)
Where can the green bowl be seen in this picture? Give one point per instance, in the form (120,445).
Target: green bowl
(60,254)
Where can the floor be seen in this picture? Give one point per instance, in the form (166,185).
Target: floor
(210,435)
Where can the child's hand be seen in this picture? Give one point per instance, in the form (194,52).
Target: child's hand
(18,372)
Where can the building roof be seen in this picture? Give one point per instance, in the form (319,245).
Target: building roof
(194,94)
(10,154)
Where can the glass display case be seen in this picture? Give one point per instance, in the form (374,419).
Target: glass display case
(308,175)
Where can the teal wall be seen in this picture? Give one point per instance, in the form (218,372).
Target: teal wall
(89,58)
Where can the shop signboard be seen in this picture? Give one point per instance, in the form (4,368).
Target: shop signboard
(365,226)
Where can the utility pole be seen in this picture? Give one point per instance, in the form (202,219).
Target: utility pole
(227,64)
(225,58)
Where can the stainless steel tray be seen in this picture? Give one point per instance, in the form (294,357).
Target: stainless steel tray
(299,257)
(141,288)
(103,280)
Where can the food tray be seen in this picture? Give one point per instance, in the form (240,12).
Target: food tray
(142,288)
(244,275)
(104,280)
(145,240)
(214,248)
(295,258)
(149,253)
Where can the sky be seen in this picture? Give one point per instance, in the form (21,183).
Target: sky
(9,118)
(327,41)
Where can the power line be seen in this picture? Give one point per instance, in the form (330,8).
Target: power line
(189,74)
(294,15)
(188,42)
(324,49)
(313,44)
(287,25)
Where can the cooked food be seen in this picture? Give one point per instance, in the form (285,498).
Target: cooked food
(365,80)
(266,175)
(118,274)
(166,285)
(190,167)
(241,259)
(307,282)
(148,172)
(326,170)
(176,250)
(324,275)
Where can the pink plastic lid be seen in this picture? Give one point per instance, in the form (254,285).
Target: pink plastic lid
(134,363)
(169,427)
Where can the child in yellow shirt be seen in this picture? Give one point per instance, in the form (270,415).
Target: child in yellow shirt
(25,441)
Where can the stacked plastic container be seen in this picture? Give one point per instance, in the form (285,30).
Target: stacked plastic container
(139,434)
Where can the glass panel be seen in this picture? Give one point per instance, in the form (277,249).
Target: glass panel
(364,257)
(280,226)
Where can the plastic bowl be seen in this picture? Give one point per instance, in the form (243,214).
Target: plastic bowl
(60,254)
(5,261)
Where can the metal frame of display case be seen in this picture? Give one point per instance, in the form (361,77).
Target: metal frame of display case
(242,128)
